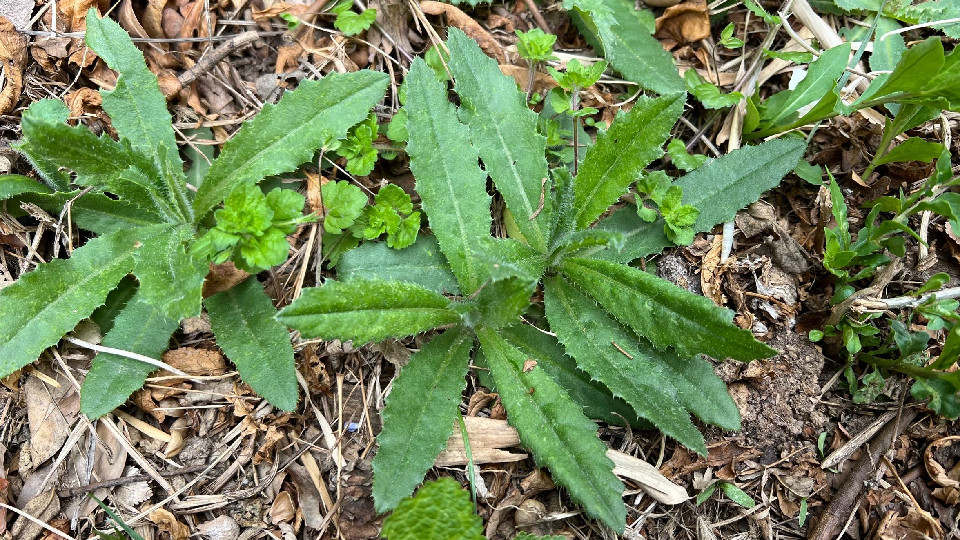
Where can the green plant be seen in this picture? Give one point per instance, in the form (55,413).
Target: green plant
(879,244)
(729,489)
(636,336)
(136,198)
(441,510)
(350,22)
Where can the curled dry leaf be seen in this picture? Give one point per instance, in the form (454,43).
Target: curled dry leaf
(949,481)
(684,23)
(167,522)
(13,54)
(222,528)
(83,101)
(223,277)
(470,27)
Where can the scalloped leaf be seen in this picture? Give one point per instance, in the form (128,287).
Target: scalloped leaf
(593,396)
(662,312)
(441,509)
(422,264)
(48,302)
(283,136)
(139,328)
(137,108)
(243,321)
(452,187)
(633,141)
(718,189)
(419,415)
(554,428)
(366,310)
(504,130)
(601,348)
(170,279)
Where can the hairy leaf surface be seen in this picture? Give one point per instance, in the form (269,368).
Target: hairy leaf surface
(170,279)
(419,416)
(93,211)
(284,135)
(244,322)
(12,185)
(554,428)
(440,509)
(633,141)
(422,264)
(48,302)
(593,396)
(139,328)
(365,310)
(601,348)
(451,184)
(136,106)
(616,29)
(699,389)
(503,301)
(504,131)
(718,189)
(662,312)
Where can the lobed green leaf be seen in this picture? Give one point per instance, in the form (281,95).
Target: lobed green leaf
(366,310)
(140,328)
(504,131)
(137,108)
(451,185)
(554,428)
(662,312)
(440,509)
(419,416)
(287,134)
(244,322)
(48,302)
(633,141)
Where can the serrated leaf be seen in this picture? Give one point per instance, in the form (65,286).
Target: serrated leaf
(633,141)
(421,264)
(366,310)
(419,415)
(12,185)
(725,185)
(137,108)
(441,509)
(96,160)
(287,134)
(170,279)
(699,389)
(511,254)
(554,428)
(593,396)
(504,130)
(95,211)
(663,313)
(140,328)
(243,321)
(48,302)
(451,185)
(610,355)
(615,27)
(503,301)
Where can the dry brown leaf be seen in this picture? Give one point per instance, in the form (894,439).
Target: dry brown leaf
(308,496)
(13,54)
(51,412)
(684,23)
(265,449)
(153,17)
(223,277)
(282,509)
(541,82)
(82,101)
(916,525)
(43,507)
(470,27)
(264,15)
(195,361)
(222,528)
(167,522)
